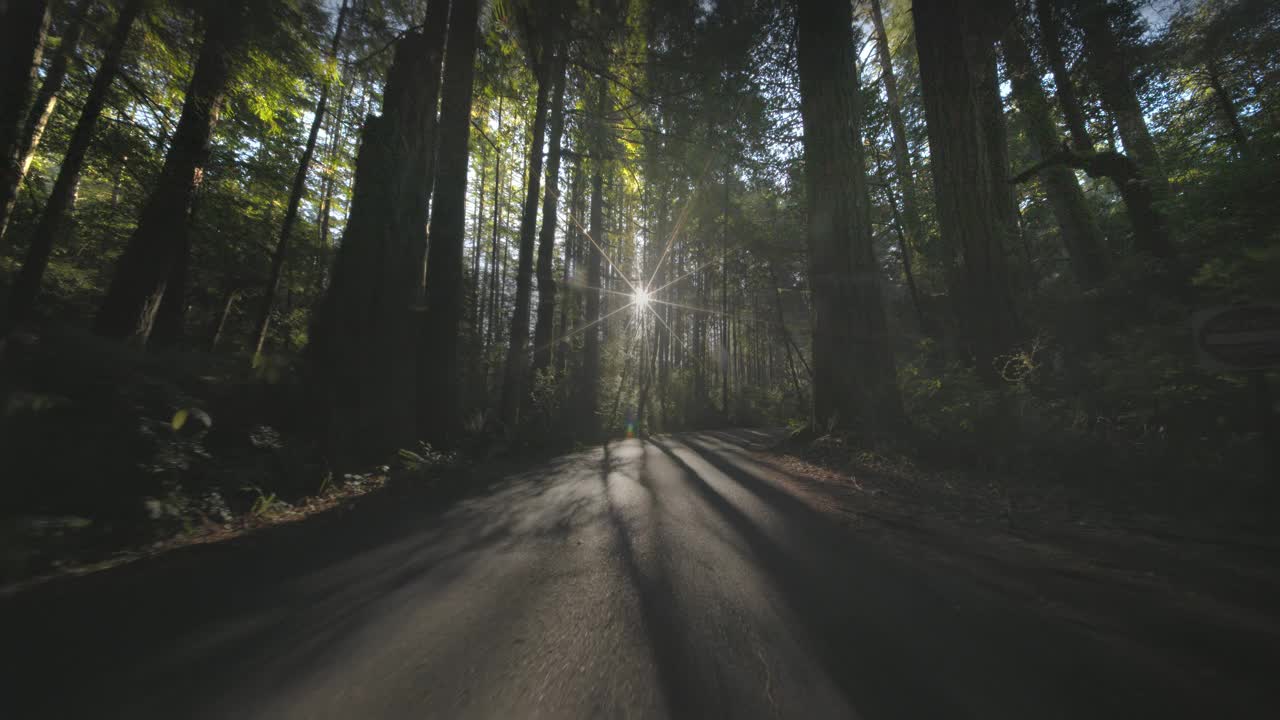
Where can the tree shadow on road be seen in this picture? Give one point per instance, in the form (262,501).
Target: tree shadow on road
(854,643)
(904,638)
(683,692)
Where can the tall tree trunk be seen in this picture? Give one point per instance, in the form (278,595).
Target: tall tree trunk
(802,403)
(1080,233)
(646,376)
(326,213)
(513,384)
(956,44)
(142,272)
(336,139)
(53,218)
(912,226)
(854,384)
(24,25)
(1047,14)
(725,349)
(908,270)
(299,186)
(41,110)
(229,297)
(572,241)
(478,304)
(1110,69)
(588,383)
(542,345)
(439,414)
(661,225)
(491,330)
(364,359)
(170,323)
(1227,105)
(701,332)
(328,191)
(117,178)
(997,136)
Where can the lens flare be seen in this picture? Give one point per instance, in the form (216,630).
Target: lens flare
(641,298)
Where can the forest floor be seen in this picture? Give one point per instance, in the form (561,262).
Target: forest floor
(690,575)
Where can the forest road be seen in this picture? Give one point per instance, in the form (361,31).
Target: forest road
(670,577)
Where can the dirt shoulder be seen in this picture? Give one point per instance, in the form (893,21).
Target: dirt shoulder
(371,502)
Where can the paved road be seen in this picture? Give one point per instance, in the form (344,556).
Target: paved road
(675,577)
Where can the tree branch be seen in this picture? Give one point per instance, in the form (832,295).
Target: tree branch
(1107,163)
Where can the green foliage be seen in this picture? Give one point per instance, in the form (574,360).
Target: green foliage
(950,407)
(128,441)
(425,458)
(264,503)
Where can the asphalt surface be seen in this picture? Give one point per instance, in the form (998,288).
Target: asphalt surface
(674,577)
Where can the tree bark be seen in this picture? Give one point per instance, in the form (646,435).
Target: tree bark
(364,359)
(854,380)
(513,384)
(142,272)
(53,218)
(1052,44)
(299,185)
(439,414)
(46,100)
(24,26)
(956,44)
(1080,233)
(170,323)
(542,344)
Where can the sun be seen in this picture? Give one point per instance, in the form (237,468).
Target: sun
(641,298)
